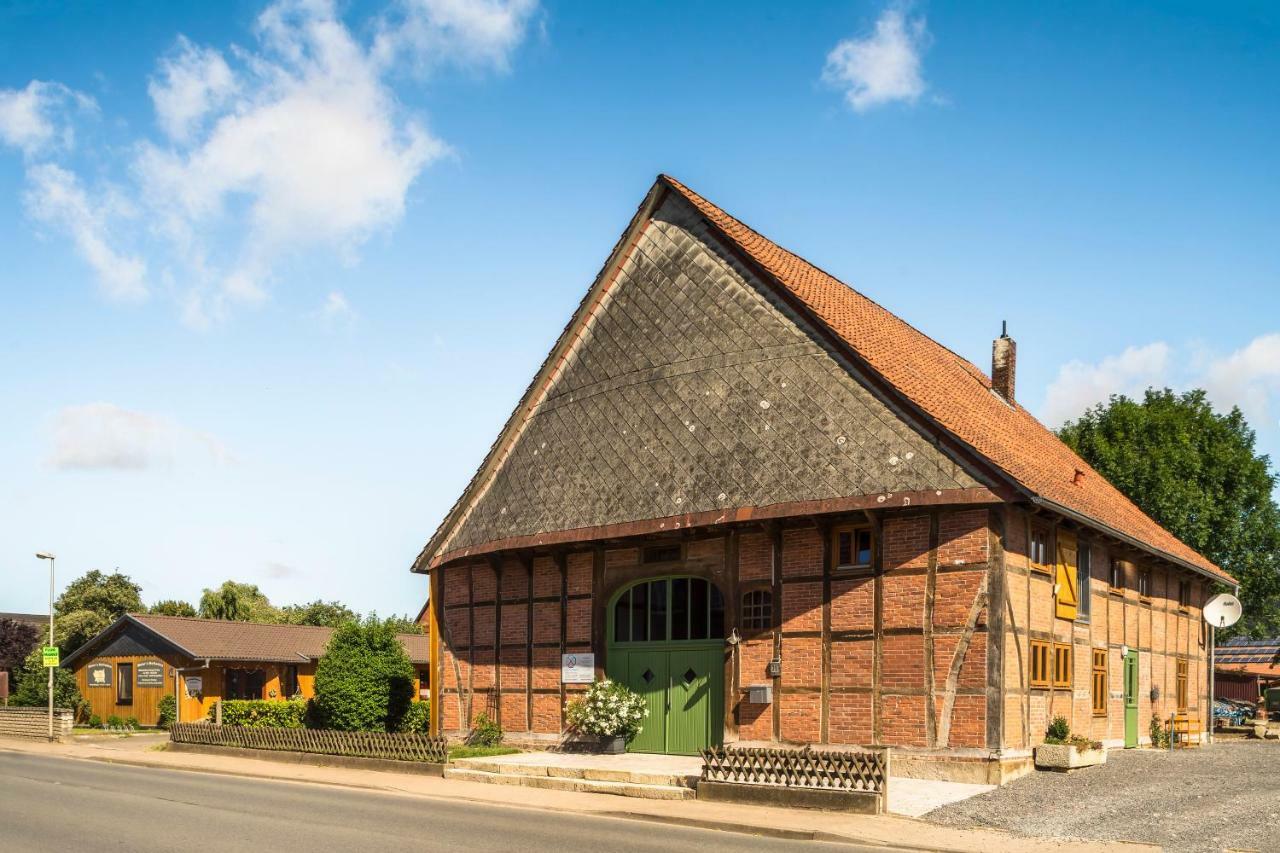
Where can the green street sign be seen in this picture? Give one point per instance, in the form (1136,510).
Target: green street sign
(50,655)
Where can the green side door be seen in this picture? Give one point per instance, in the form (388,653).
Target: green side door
(1131,700)
(646,674)
(689,716)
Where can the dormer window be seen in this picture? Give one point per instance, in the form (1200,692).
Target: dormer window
(852,547)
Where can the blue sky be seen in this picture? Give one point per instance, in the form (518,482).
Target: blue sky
(273,275)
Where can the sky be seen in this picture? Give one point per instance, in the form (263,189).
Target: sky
(273,275)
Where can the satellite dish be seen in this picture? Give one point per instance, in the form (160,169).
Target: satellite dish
(1222,611)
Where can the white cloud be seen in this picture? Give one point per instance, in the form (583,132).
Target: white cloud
(883,66)
(473,33)
(193,82)
(279,570)
(54,196)
(98,436)
(335,307)
(1248,377)
(35,119)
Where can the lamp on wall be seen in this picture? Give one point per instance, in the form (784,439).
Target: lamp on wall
(733,639)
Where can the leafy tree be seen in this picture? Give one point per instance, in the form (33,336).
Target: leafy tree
(90,603)
(364,680)
(330,614)
(1197,473)
(172,607)
(398,624)
(33,686)
(17,639)
(240,602)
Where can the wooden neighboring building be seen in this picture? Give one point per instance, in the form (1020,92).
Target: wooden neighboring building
(127,668)
(728,444)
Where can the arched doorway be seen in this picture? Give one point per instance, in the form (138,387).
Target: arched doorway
(666,642)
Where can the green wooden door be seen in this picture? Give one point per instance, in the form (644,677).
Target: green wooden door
(647,674)
(1131,700)
(689,722)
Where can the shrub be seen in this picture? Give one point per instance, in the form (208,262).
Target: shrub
(364,681)
(33,687)
(484,731)
(166,711)
(95,722)
(417,718)
(1159,734)
(132,722)
(115,722)
(1058,732)
(608,709)
(262,713)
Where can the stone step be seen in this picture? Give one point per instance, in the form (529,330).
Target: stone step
(570,783)
(590,774)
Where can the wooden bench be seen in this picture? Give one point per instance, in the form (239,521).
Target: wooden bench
(1185,731)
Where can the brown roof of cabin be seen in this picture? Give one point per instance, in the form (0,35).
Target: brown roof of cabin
(220,639)
(953,392)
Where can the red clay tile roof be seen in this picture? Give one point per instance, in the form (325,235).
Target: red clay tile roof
(219,639)
(953,392)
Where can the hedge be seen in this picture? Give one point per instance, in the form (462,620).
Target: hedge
(262,713)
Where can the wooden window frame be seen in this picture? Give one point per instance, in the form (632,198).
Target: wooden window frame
(1041,668)
(659,553)
(1045,565)
(124,685)
(1059,651)
(1144,585)
(1182,695)
(288,677)
(1184,595)
(852,530)
(1100,684)
(1116,580)
(751,612)
(1084,582)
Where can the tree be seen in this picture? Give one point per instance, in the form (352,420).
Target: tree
(1196,473)
(329,614)
(239,602)
(398,624)
(90,603)
(17,639)
(33,686)
(364,680)
(172,607)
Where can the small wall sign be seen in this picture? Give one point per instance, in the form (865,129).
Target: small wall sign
(194,685)
(150,674)
(578,668)
(49,654)
(99,674)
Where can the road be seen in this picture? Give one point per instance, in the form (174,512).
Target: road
(60,804)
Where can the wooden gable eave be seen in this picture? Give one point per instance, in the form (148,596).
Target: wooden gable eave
(542,379)
(110,632)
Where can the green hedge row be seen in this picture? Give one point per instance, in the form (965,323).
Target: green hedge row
(263,713)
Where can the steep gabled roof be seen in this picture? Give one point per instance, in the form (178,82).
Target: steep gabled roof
(956,394)
(226,640)
(932,383)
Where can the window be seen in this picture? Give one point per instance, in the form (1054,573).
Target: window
(1117,577)
(1082,582)
(669,609)
(243,683)
(757,610)
(124,684)
(1061,665)
(1144,584)
(853,547)
(661,554)
(289,681)
(1099,682)
(1067,579)
(1182,685)
(1039,663)
(1184,594)
(1040,549)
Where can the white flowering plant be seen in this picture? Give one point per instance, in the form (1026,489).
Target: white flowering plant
(608,709)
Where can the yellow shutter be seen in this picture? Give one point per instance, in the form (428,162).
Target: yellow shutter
(1068,590)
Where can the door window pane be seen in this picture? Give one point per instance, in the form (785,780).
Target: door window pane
(658,611)
(699,609)
(640,613)
(680,609)
(622,618)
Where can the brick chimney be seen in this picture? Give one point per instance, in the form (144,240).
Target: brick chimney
(1004,361)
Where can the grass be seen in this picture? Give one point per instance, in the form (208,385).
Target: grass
(456,752)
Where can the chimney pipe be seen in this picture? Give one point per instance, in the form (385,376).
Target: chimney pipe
(1004,361)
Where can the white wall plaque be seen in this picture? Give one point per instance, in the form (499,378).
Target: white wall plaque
(578,668)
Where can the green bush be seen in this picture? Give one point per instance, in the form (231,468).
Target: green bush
(608,709)
(166,711)
(417,718)
(95,722)
(484,731)
(33,687)
(1159,734)
(364,681)
(1058,732)
(132,722)
(262,713)
(115,722)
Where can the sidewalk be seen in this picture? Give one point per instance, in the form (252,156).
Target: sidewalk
(885,830)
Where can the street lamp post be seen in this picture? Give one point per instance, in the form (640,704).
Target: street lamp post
(45,555)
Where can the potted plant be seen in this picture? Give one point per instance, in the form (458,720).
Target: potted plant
(606,718)
(1065,752)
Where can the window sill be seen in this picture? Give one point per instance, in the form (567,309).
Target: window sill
(1042,570)
(1099,716)
(1144,599)
(866,567)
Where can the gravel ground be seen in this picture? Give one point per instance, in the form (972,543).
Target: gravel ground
(1220,797)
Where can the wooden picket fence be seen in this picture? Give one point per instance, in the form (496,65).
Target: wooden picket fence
(396,746)
(838,770)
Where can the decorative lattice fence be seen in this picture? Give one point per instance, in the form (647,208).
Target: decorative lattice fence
(865,771)
(407,746)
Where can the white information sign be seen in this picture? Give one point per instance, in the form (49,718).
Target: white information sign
(578,668)
(194,685)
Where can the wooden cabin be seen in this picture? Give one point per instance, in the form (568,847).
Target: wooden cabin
(127,668)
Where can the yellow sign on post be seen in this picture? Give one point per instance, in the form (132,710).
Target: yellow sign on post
(50,655)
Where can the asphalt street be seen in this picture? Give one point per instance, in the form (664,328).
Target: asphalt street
(59,804)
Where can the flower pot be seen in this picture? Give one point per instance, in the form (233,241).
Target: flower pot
(597,744)
(1064,757)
